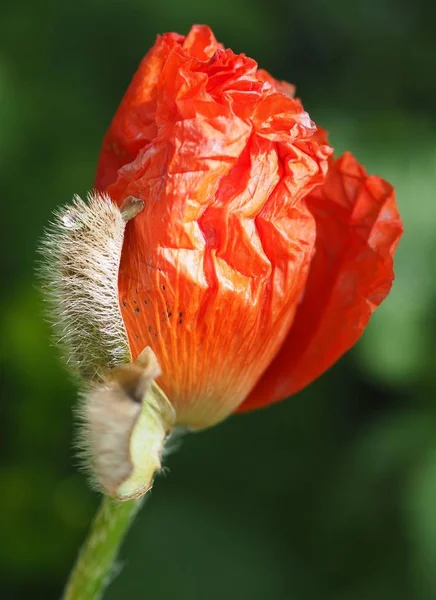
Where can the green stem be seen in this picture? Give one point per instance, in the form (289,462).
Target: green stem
(94,567)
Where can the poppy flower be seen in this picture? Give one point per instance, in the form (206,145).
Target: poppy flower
(258,258)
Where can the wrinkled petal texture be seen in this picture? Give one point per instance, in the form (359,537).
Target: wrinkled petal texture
(211,271)
(357,230)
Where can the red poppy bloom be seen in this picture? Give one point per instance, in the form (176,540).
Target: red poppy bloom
(258,258)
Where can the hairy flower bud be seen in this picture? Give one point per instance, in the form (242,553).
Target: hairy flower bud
(82,251)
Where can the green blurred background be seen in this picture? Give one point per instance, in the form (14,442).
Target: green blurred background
(329,495)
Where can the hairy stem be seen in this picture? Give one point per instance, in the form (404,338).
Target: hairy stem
(93,570)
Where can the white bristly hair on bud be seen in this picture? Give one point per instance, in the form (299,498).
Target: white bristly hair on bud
(81,256)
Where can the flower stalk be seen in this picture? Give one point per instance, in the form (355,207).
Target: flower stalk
(94,568)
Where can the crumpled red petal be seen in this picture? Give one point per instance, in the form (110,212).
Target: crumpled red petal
(281,86)
(357,230)
(212,268)
(134,124)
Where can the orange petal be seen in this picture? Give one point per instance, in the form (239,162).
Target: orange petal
(281,86)
(213,267)
(134,124)
(358,229)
